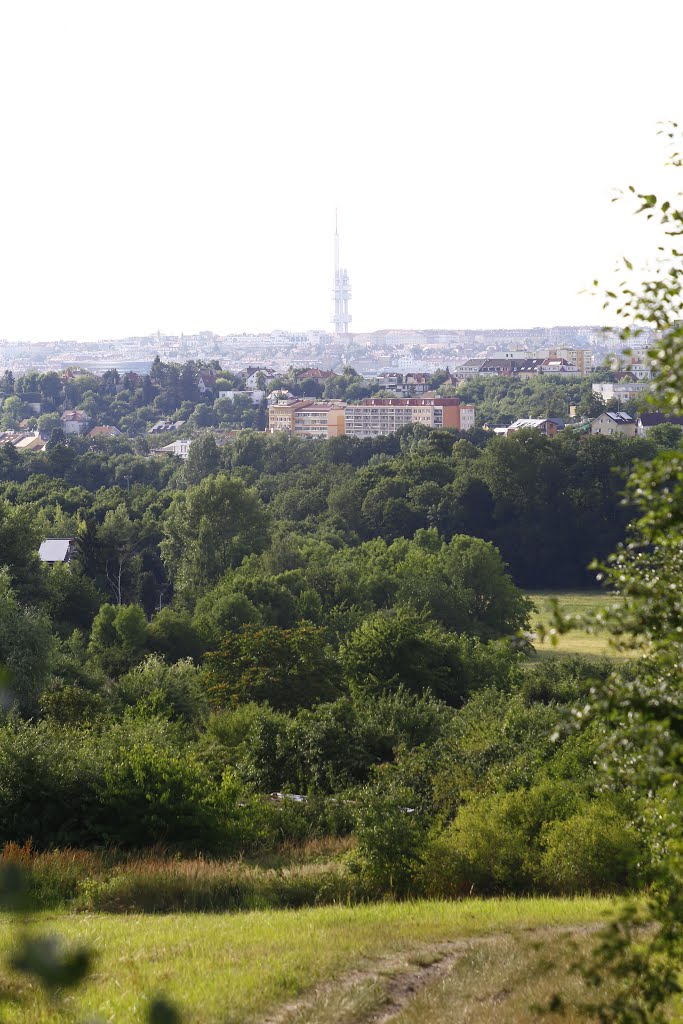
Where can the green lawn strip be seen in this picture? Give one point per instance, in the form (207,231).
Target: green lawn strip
(237,967)
(571,602)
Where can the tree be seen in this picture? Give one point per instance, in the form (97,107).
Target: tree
(25,648)
(403,647)
(287,668)
(118,551)
(209,529)
(643,706)
(48,422)
(203,459)
(11,412)
(118,638)
(20,536)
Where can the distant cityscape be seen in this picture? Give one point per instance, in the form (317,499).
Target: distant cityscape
(389,350)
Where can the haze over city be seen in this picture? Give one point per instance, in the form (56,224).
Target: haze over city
(178,168)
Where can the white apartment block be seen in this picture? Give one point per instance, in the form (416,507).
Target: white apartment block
(624,391)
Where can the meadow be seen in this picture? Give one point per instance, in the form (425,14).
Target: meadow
(577,641)
(387,961)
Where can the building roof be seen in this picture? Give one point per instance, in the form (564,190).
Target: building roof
(617,417)
(653,419)
(528,424)
(55,549)
(104,431)
(74,416)
(32,442)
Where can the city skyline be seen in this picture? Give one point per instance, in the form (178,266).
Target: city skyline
(176,170)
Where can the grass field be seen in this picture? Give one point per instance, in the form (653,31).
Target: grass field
(318,966)
(571,602)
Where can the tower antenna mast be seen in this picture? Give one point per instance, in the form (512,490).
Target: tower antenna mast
(341,291)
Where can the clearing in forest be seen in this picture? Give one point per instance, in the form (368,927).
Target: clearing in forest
(576,641)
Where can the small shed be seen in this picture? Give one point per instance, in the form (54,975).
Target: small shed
(57,549)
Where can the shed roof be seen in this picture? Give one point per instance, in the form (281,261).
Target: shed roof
(55,549)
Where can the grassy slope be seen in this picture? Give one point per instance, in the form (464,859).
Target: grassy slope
(571,602)
(238,967)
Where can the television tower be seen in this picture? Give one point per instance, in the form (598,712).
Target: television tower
(341,291)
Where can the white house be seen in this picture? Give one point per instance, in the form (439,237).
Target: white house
(256,395)
(251,376)
(180,448)
(614,423)
(74,421)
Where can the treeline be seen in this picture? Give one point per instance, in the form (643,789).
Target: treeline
(550,506)
(133,402)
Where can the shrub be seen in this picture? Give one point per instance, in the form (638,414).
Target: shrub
(493,846)
(593,851)
(152,789)
(391,837)
(156,688)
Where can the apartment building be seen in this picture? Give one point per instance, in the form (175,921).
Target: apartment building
(376,416)
(305,418)
(624,391)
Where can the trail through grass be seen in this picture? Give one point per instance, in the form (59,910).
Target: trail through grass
(242,967)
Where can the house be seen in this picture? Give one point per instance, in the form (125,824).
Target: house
(647,420)
(57,549)
(557,365)
(74,421)
(313,373)
(34,400)
(178,448)
(614,423)
(104,431)
(161,426)
(206,381)
(256,395)
(32,442)
(251,376)
(623,390)
(279,395)
(549,427)
(416,383)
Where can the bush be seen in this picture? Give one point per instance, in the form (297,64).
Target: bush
(153,789)
(593,851)
(391,837)
(494,844)
(137,784)
(156,688)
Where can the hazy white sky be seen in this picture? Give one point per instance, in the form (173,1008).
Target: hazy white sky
(176,165)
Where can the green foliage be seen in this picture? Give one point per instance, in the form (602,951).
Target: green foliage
(595,850)
(520,842)
(172,635)
(209,529)
(391,839)
(118,638)
(404,647)
(20,537)
(642,706)
(156,688)
(288,668)
(72,599)
(25,648)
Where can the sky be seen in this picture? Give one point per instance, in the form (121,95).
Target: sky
(176,166)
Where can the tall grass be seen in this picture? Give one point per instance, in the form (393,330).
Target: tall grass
(299,876)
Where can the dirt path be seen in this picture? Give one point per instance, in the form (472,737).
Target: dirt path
(377,992)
